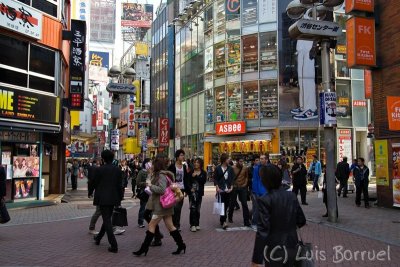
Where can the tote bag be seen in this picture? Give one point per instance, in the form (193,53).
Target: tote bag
(119,217)
(219,206)
(168,200)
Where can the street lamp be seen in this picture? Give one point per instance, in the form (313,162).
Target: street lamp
(323,32)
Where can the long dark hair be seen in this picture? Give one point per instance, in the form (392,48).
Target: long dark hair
(159,163)
(271,177)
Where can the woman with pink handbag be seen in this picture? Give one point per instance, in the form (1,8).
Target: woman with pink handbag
(161,202)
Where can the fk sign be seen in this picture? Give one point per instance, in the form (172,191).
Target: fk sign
(163,132)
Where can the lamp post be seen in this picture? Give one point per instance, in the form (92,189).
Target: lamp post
(301,30)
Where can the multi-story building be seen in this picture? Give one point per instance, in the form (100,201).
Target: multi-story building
(34,78)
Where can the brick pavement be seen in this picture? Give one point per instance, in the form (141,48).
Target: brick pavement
(66,243)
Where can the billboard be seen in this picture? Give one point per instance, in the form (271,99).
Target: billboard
(25,167)
(136,15)
(393,112)
(100,59)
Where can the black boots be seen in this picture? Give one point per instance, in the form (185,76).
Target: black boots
(145,245)
(178,239)
(157,238)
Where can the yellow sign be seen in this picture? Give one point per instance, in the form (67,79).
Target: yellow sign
(130,146)
(382,162)
(142,49)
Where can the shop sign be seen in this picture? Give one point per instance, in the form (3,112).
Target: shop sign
(67,128)
(306,29)
(163,132)
(368,84)
(360,103)
(100,59)
(396,174)
(94,114)
(382,162)
(100,119)
(360,35)
(78,147)
(23,105)
(393,109)
(232,7)
(328,108)
(77,65)
(341,49)
(131,116)
(359,5)
(115,139)
(228,128)
(344,141)
(21,18)
(12,136)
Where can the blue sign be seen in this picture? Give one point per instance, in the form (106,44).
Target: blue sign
(327,109)
(100,59)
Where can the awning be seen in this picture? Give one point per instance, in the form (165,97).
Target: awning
(19,125)
(216,139)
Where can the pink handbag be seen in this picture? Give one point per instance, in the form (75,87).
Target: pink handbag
(168,199)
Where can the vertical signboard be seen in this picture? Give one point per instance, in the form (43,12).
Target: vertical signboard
(267,11)
(94,114)
(77,65)
(360,33)
(163,132)
(382,162)
(368,84)
(344,148)
(393,112)
(328,108)
(115,139)
(396,174)
(131,116)
(100,117)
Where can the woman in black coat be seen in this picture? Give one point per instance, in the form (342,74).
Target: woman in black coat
(197,180)
(280,215)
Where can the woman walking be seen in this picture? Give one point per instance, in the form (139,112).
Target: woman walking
(197,180)
(160,180)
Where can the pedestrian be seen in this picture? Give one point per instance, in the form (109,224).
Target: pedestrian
(141,194)
(158,185)
(180,170)
(240,188)
(108,193)
(280,215)
(299,174)
(126,173)
(342,174)
(74,174)
(197,180)
(315,172)
(258,188)
(224,176)
(4,216)
(361,176)
(97,213)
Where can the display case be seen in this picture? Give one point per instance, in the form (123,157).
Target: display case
(219,25)
(220,105)
(250,53)
(209,106)
(249,12)
(233,63)
(250,100)
(234,102)
(268,51)
(269,99)
(219,65)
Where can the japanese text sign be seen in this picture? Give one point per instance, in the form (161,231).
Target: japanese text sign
(131,116)
(328,108)
(359,5)
(344,148)
(20,18)
(163,132)
(393,110)
(382,162)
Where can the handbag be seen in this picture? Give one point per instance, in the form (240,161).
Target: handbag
(119,217)
(304,254)
(4,216)
(219,206)
(168,199)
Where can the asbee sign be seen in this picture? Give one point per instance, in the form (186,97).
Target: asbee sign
(229,128)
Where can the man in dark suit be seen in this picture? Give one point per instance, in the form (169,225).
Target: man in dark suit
(107,185)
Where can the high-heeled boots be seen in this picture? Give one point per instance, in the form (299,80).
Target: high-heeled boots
(179,241)
(145,245)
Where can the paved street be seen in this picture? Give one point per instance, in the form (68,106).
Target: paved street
(57,236)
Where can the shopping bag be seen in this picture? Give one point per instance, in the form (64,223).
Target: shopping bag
(219,206)
(4,216)
(119,217)
(320,194)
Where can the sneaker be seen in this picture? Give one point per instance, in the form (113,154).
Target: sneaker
(306,115)
(198,228)
(93,232)
(296,111)
(225,226)
(141,226)
(254,227)
(119,231)
(193,229)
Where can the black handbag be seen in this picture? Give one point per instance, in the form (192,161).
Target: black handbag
(142,195)
(4,216)
(119,217)
(304,254)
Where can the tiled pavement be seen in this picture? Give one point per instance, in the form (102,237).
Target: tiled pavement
(66,242)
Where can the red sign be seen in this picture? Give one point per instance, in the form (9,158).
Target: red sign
(131,117)
(360,103)
(100,116)
(368,84)
(94,114)
(163,132)
(228,128)
(359,5)
(393,109)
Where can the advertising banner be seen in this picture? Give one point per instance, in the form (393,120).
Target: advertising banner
(163,132)
(94,113)
(328,108)
(115,139)
(18,104)
(100,59)
(67,127)
(393,112)
(100,116)
(368,84)
(136,19)
(21,18)
(267,11)
(98,74)
(382,162)
(131,116)
(344,148)
(24,188)
(77,65)
(396,174)
(142,49)
(26,167)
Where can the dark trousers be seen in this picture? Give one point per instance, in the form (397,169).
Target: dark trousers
(225,198)
(142,208)
(74,181)
(133,182)
(242,193)
(315,182)
(254,220)
(195,206)
(362,187)
(147,217)
(94,218)
(343,187)
(177,214)
(303,191)
(106,227)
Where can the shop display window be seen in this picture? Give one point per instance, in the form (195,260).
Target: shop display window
(249,12)
(233,64)
(209,18)
(209,103)
(342,71)
(219,65)
(344,102)
(234,102)
(219,25)
(268,51)
(220,104)
(233,29)
(250,100)
(250,53)
(269,99)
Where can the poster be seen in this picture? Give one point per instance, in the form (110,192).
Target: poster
(115,140)
(344,148)
(209,60)
(396,174)
(393,112)
(9,172)
(382,162)
(25,167)
(136,19)
(6,158)
(23,188)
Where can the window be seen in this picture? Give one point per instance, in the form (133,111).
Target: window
(249,13)
(219,25)
(250,100)
(250,53)
(209,102)
(233,50)
(344,102)
(220,103)
(42,60)
(269,99)
(234,102)
(13,52)
(47,6)
(268,51)
(219,68)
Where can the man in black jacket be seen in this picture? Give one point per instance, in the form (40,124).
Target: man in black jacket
(299,174)
(107,185)
(343,173)
(361,177)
